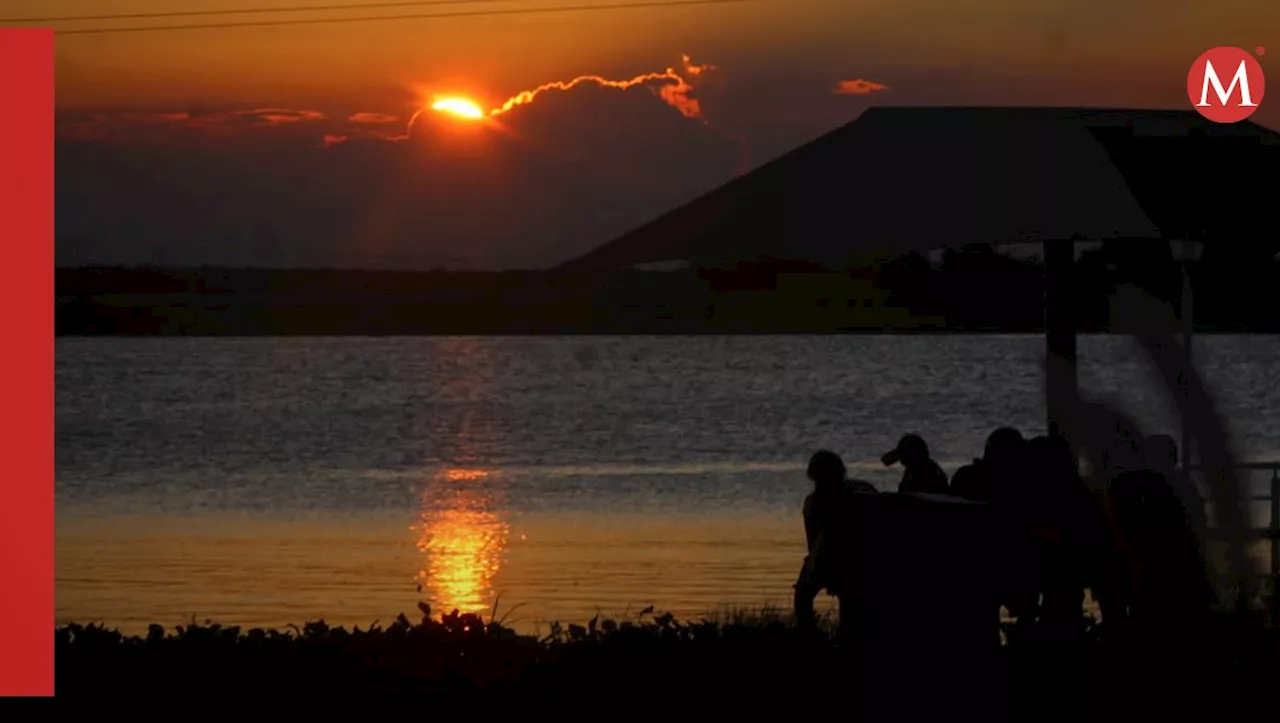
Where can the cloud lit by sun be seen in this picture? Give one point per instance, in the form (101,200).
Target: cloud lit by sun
(460,107)
(858,86)
(671,86)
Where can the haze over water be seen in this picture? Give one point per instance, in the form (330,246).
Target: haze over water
(267,481)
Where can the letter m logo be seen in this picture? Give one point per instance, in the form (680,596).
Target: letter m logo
(1241,79)
(1234,100)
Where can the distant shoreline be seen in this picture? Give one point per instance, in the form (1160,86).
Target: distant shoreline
(770,301)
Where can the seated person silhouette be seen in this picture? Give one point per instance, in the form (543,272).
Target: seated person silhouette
(824,517)
(920,473)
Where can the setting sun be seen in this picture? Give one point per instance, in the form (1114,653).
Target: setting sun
(460,107)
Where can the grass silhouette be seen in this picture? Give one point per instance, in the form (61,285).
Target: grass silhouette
(445,654)
(743,658)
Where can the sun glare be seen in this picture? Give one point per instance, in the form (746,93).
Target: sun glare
(460,107)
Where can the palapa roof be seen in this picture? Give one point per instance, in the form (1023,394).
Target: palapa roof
(899,178)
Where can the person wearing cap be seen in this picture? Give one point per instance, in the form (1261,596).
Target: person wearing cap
(824,518)
(920,473)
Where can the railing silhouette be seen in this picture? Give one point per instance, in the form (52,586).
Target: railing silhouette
(1270,532)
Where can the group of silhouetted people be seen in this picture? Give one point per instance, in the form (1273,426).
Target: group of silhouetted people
(1131,540)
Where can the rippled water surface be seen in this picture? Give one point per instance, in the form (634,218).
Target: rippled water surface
(268,481)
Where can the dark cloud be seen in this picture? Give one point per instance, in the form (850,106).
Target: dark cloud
(366,118)
(544,182)
(262,117)
(161,127)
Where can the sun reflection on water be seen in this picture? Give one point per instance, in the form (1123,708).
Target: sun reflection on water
(462,539)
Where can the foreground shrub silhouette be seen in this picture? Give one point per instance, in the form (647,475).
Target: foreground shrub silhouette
(453,654)
(740,660)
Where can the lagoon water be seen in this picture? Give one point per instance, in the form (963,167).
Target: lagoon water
(269,481)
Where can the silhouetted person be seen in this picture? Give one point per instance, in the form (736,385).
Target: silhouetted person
(825,517)
(1061,520)
(996,470)
(920,473)
(1129,481)
(1172,587)
(998,479)
(1163,458)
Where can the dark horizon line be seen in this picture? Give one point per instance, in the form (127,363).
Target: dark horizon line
(556,269)
(346,269)
(1206,331)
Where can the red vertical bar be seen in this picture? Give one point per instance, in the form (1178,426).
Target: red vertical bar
(26,362)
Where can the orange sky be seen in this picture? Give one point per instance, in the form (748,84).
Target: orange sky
(264,130)
(1137,44)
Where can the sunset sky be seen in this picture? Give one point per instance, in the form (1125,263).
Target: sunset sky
(210,145)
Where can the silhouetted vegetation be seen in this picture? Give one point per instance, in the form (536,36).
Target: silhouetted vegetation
(449,654)
(652,660)
(975,288)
